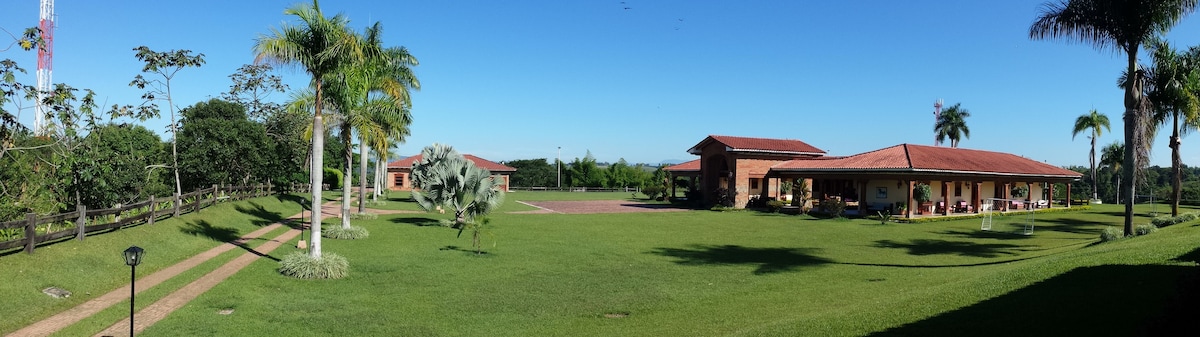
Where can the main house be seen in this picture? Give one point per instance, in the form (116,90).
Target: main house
(961,180)
(399,172)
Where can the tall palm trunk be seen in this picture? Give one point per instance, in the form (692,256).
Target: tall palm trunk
(318,158)
(362,175)
(347,178)
(379,166)
(1092,161)
(1176,167)
(1133,98)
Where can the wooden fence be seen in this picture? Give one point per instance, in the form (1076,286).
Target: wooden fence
(82,221)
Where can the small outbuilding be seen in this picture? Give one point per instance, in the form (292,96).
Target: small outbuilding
(399,172)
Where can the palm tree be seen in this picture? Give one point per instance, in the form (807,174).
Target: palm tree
(1092,122)
(1111,157)
(320,45)
(374,101)
(1116,24)
(1173,84)
(952,124)
(445,178)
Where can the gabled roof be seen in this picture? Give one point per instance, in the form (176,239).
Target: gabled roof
(691,166)
(407,163)
(759,145)
(911,158)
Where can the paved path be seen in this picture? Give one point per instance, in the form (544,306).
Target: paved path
(160,309)
(175,300)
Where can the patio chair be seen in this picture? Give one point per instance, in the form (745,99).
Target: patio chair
(963,207)
(941,207)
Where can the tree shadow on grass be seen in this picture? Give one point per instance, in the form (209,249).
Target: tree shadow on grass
(1108,300)
(1068,225)
(470,251)
(769,260)
(299,200)
(944,247)
(416,221)
(222,234)
(207,229)
(982,234)
(262,216)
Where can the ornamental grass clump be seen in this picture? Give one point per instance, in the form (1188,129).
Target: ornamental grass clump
(1111,233)
(342,233)
(1144,229)
(303,266)
(364,216)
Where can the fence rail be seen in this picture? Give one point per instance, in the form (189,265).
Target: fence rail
(37,230)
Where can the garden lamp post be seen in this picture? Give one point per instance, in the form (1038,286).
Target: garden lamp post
(133,257)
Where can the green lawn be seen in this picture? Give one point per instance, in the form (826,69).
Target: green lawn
(402,200)
(712,273)
(95,266)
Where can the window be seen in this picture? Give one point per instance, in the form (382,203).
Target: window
(754,183)
(399,180)
(958,189)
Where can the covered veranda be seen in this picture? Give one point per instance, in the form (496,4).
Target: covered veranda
(959,180)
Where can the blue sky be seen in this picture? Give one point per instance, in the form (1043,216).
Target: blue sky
(518,79)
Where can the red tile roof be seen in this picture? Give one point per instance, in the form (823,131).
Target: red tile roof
(684,167)
(760,145)
(921,158)
(407,163)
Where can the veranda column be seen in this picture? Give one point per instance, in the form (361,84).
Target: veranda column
(1007,195)
(1068,195)
(1050,195)
(862,196)
(945,198)
(975,194)
(909,210)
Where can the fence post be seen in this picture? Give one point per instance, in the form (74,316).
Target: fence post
(153,208)
(30,232)
(117,217)
(176,202)
(81,222)
(214,195)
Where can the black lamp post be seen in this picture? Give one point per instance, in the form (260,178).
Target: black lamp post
(133,257)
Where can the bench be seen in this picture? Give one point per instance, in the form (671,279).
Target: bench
(878,207)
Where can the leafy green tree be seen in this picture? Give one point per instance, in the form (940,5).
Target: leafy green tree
(219,145)
(532,172)
(166,65)
(1091,122)
(1123,25)
(952,124)
(253,85)
(319,45)
(118,167)
(585,173)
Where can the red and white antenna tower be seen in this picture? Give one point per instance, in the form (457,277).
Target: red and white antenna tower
(45,66)
(937,114)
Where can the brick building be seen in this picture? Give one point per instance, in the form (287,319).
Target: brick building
(961,180)
(399,172)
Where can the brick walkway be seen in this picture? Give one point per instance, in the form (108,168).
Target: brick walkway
(175,300)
